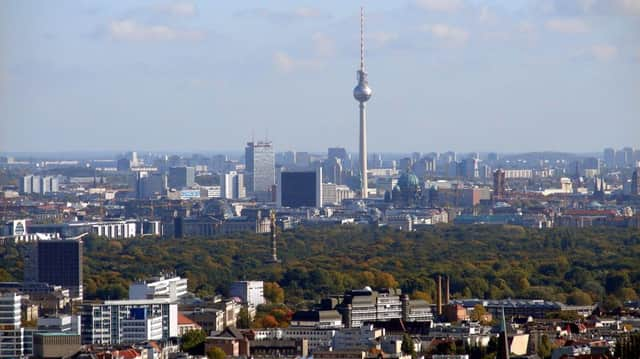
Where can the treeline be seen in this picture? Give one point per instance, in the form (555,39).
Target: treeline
(578,266)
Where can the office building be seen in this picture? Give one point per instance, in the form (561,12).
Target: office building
(182,177)
(232,185)
(635,182)
(333,194)
(250,292)
(609,155)
(129,321)
(56,262)
(300,189)
(150,185)
(172,288)
(260,170)
(498,185)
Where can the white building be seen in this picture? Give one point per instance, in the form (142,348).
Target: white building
(232,185)
(160,287)
(129,321)
(12,335)
(115,229)
(250,292)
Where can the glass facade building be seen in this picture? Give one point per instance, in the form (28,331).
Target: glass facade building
(260,171)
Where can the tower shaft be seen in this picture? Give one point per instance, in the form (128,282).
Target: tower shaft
(364,187)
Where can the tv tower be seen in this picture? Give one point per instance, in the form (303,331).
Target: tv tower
(362,93)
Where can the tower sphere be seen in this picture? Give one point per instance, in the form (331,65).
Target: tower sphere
(362,92)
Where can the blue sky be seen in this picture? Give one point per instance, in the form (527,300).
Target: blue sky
(511,75)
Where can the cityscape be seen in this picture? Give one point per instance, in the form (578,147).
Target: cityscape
(273,249)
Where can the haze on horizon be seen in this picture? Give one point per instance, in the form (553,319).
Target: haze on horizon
(468,75)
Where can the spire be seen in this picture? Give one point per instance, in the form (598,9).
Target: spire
(362,38)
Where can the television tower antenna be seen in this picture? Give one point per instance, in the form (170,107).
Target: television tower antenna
(362,94)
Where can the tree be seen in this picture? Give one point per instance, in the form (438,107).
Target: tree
(269,321)
(544,347)
(244,320)
(216,353)
(478,313)
(408,346)
(578,297)
(192,339)
(273,293)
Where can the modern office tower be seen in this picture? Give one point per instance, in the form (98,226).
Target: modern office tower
(232,185)
(300,189)
(635,182)
(150,184)
(260,170)
(375,160)
(303,159)
(332,170)
(56,262)
(498,184)
(12,335)
(218,163)
(492,157)
(289,158)
(129,321)
(172,288)
(362,93)
(250,292)
(133,158)
(469,168)
(181,177)
(609,155)
(628,156)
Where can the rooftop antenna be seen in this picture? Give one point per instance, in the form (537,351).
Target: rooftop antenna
(362,38)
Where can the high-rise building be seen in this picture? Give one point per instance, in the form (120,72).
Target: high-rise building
(289,158)
(181,177)
(150,184)
(12,335)
(129,321)
(362,93)
(56,262)
(635,182)
(250,292)
(38,184)
(260,170)
(232,185)
(498,184)
(300,189)
(609,155)
(628,156)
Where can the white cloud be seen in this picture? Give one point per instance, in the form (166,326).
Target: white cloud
(307,12)
(486,16)
(452,35)
(381,38)
(567,25)
(285,63)
(323,46)
(181,8)
(440,5)
(630,7)
(133,31)
(604,52)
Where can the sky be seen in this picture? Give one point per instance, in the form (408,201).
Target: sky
(466,75)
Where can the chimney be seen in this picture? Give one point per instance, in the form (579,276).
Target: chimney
(447,295)
(439,295)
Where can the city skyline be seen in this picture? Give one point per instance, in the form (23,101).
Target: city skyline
(465,75)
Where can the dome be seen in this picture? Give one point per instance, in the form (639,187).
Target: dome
(408,181)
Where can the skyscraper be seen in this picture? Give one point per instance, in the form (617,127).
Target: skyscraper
(635,182)
(57,262)
(260,170)
(362,93)
(180,177)
(498,184)
(300,189)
